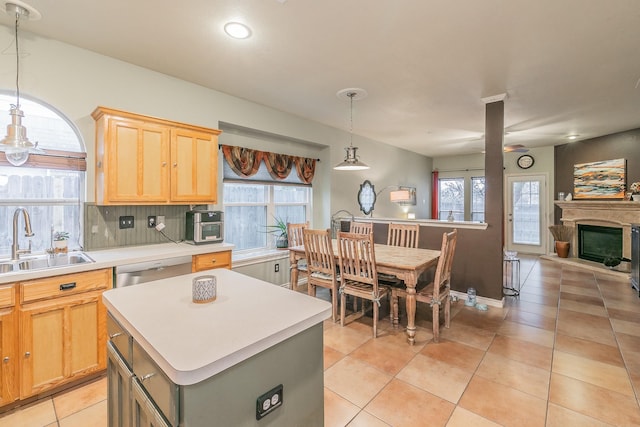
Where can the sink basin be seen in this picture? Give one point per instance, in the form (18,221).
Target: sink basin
(44,261)
(6,267)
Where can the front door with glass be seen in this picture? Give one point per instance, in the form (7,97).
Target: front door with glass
(525,215)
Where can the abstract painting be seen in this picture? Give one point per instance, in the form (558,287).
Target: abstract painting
(599,180)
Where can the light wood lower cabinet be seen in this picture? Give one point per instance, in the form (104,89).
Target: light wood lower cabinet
(213,260)
(52,331)
(61,340)
(8,352)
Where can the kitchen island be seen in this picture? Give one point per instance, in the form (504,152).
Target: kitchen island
(216,361)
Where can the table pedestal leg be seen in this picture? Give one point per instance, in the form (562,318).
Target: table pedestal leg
(294,271)
(411,314)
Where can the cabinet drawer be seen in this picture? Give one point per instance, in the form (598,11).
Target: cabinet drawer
(68,284)
(164,393)
(212,260)
(120,339)
(7,296)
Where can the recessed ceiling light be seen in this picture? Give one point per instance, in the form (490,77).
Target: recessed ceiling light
(237,30)
(572,137)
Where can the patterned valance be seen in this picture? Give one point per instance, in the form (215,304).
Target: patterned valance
(245,162)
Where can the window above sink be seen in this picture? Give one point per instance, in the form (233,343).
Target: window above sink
(50,186)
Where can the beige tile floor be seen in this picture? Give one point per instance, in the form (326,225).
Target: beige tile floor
(565,353)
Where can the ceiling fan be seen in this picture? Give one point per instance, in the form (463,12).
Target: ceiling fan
(515,148)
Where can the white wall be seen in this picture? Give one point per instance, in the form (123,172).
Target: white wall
(76,81)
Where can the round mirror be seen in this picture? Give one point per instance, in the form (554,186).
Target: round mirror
(366,197)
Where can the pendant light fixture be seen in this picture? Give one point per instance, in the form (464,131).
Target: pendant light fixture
(16,145)
(351,161)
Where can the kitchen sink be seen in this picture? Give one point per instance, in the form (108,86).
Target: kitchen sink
(40,262)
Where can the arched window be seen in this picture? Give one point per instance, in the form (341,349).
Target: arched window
(50,186)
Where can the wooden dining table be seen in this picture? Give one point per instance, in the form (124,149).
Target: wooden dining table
(407,264)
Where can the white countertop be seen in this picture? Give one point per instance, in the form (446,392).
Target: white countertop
(426,222)
(192,342)
(119,256)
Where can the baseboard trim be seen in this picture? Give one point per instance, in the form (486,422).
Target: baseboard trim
(482,300)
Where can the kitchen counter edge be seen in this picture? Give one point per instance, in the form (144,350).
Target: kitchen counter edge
(115,257)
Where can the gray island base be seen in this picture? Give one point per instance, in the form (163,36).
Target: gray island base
(177,363)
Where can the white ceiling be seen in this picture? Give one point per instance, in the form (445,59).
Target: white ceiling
(569,66)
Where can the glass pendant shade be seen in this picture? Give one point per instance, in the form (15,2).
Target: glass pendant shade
(16,145)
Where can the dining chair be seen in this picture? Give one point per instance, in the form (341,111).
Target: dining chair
(358,273)
(321,265)
(361,227)
(405,235)
(437,292)
(294,238)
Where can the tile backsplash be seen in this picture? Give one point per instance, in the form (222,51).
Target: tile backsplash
(101,230)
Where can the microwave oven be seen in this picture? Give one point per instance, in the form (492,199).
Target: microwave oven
(204,227)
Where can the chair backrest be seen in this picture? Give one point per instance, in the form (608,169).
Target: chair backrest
(357,259)
(319,252)
(405,235)
(361,227)
(442,278)
(294,233)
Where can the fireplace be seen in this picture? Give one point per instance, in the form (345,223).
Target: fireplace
(617,214)
(595,243)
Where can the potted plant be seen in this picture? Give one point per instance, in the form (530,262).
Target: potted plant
(562,235)
(279,230)
(60,241)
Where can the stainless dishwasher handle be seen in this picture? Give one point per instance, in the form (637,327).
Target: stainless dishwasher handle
(146,377)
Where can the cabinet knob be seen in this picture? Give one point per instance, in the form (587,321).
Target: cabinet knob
(6,359)
(175,164)
(213,261)
(146,377)
(164,164)
(27,354)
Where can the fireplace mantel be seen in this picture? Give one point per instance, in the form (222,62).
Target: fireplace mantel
(608,213)
(617,205)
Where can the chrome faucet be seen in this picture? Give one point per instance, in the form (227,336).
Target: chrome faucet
(15,250)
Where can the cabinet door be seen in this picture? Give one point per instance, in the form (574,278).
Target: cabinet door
(8,353)
(144,412)
(60,340)
(137,155)
(119,382)
(194,166)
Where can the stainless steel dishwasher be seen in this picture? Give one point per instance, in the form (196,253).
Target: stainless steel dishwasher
(134,274)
